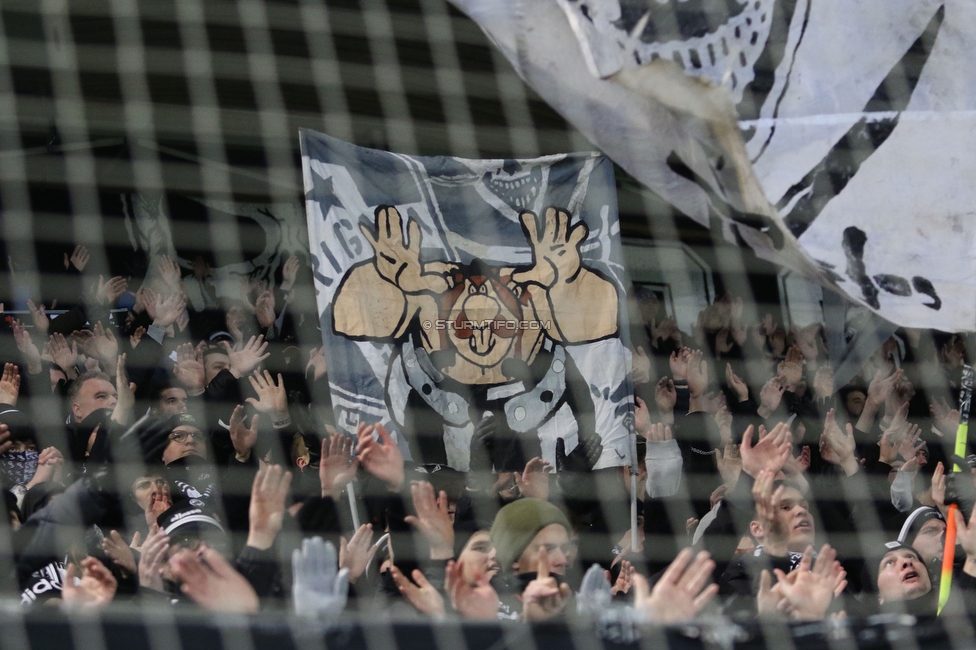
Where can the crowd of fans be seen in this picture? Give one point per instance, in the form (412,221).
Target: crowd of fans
(163,441)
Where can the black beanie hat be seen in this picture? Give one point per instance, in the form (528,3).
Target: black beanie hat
(150,435)
(869,581)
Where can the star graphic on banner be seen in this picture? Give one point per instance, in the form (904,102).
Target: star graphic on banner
(324,193)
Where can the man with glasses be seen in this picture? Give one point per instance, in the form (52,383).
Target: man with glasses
(185,440)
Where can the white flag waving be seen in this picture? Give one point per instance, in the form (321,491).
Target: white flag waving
(835,138)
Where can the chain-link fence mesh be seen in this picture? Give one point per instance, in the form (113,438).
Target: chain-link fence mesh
(153,207)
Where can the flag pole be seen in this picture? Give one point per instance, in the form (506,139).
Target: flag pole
(962,434)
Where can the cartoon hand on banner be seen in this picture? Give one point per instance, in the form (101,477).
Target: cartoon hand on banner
(555,252)
(397,261)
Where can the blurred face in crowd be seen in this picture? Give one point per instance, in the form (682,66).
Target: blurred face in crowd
(145,487)
(902,576)
(23,445)
(172,401)
(793,524)
(185,441)
(555,541)
(854,403)
(930,540)
(213,363)
(478,557)
(94,394)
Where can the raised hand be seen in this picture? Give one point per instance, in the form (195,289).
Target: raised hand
(384,461)
(32,356)
(534,480)
(697,374)
(244,360)
(736,384)
(289,273)
(79,258)
(169,310)
(64,356)
(319,588)
(189,369)
(799,464)
(555,252)
(544,598)
(946,418)
(476,599)
(642,417)
(356,554)
(264,308)
(103,345)
(212,583)
(939,487)
(836,446)
(769,454)
(582,459)
(41,322)
(432,520)
(790,370)
(881,386)
(767,501)
(665,396)
(267,511)
(5,442)
(169,271)
(398,262)
(96,588)
(272,399)
(770,396)
(159,502)
(729,464)
(640,372)
(152,558)
(242,438)
(145,301)
(109,291)
(420,593)
(679,364)
(680,593)
(126,394)
(10,384)
(336,466)
(823,381)
(595,593)
(119,552)
(659,432)
(316,363)
(625,578)
(809,591)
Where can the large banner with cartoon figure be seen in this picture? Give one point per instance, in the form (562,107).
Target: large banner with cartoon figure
(453,293)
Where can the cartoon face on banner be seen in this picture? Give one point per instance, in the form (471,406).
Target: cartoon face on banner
(471,293)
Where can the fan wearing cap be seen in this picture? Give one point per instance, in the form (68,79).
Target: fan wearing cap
(533,549)
(924,530)
(178,443)
(901,580)
(192,530)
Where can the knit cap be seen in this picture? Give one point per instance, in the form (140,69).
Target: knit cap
(517,523)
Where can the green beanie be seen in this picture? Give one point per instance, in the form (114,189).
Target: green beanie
(517,523)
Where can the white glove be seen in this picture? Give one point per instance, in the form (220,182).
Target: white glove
(319,589)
